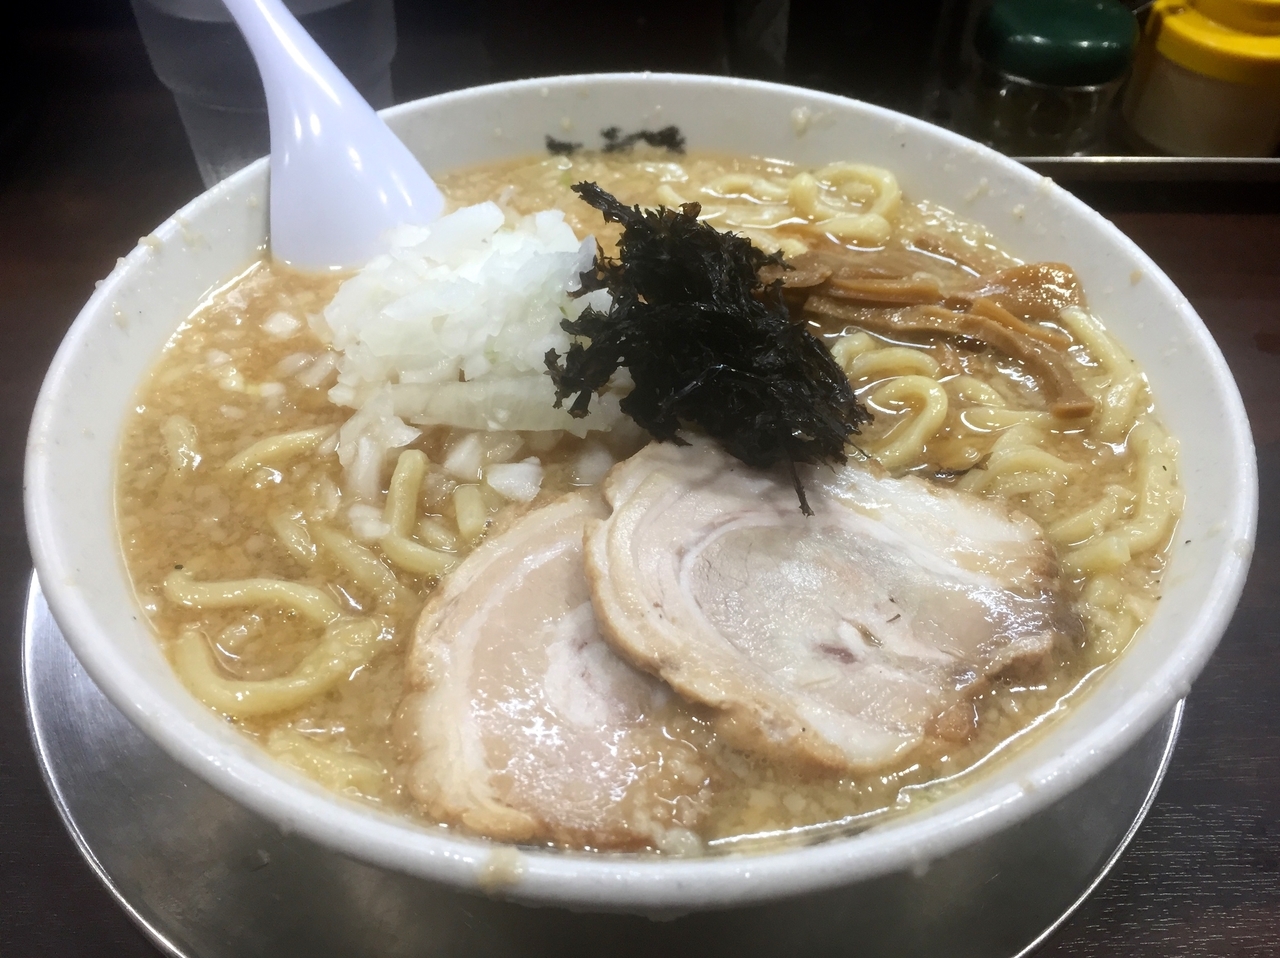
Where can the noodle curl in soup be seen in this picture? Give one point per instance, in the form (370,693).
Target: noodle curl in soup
(362,531)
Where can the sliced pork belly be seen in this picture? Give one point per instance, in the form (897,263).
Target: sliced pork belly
(840,639)
(526,725)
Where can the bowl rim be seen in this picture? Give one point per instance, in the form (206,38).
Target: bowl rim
(621,881)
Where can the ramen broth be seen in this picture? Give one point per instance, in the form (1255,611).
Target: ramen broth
(247,366)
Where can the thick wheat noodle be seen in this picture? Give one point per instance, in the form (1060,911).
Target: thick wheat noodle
(436,534)
(872,226)
(763,216)
(363,565)
(848,348)
(1105,554)
(1086,328)
(1032,459)
(770,210)
(954,455)
(996,418)
(1116,418)
(1066,399)
(804,195)
(771,244)
(283,446)
(400,513)
(974,390)
(1105,591)
(1157,502)
(892,361)
(1142,607)
(294,537)
(739,184)
(1079,527)
(906,445)
(1019,434)
(416,558)
(469,512)
(888,194)
(871,229)
(1022,459)
(347,645)
(1024,483)
(714,214)
(402,496)
(1119,398)
(1016,465)
(306,600)
(338,770)
(667,196)
(1112,630)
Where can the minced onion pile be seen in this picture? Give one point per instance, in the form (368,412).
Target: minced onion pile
(450,328)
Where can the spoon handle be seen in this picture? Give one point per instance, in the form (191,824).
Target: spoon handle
(339,177)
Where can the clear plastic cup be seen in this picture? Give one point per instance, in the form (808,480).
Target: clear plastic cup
(198,53)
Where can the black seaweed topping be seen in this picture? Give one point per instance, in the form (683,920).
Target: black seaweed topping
(561,147)
(705,342)
(668,138)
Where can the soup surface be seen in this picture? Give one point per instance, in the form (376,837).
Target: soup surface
(229,476)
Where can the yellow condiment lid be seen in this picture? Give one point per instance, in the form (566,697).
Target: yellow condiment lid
(1185,33)
(1247,16)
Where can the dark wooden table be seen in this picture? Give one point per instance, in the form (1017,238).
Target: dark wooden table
(105,160)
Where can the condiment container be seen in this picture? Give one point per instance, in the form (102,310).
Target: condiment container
(1047,73)
(1207,79)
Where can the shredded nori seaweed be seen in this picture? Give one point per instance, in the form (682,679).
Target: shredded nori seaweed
(668,138)
(561,147)
(706,342)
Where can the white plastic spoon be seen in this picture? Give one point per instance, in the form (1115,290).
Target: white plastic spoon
(339,177)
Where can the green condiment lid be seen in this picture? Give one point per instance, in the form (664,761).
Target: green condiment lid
(1058,42)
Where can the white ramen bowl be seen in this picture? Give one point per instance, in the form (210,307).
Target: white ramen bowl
(91,386)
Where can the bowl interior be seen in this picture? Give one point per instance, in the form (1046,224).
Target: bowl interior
(75,433)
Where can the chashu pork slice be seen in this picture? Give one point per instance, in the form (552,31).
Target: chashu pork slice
(525,725)
(839,640)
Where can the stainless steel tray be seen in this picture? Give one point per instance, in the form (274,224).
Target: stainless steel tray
(206,878)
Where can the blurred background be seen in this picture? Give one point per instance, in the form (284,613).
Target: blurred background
(1030,77)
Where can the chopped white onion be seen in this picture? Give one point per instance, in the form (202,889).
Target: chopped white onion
(465,459)
(293,363)
(315,374)
(280,325)
(365,441)
(452,327)
(517,481)
(457,320)
(366,523)
(591,465)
